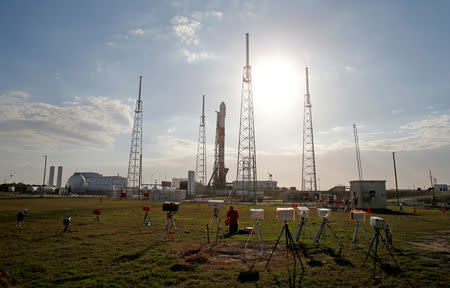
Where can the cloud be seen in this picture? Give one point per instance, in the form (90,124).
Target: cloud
(14,96)
(397,111)
(137,31)
(350,68)
(87,122)
(186,30)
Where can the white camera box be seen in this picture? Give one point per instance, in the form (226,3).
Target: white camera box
(216,204)
(357,215)
(324,212)
(285,214)
(303,212)
(377,222)
(256,214)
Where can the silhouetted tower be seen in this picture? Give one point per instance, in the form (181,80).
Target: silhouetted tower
(309,182)
(134,178)
(246,163)
(358,155)
(200,166)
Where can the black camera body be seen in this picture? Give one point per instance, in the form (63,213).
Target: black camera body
(66,221)
(171,206)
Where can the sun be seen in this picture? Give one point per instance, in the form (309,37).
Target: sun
(277,84)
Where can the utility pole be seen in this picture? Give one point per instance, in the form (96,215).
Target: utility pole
(395,175)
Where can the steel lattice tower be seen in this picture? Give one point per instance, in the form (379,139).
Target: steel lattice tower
(134,178)
(246,163)
(200,166)
(308,157)
(358,155)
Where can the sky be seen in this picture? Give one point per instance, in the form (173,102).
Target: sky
(69,77)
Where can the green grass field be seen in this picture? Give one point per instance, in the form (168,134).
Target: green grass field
(120,252)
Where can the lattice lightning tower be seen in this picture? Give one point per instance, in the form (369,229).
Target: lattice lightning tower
(200,166)
(134,178)
(246,164)
(308,157)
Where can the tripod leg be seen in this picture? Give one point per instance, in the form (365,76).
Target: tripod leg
(364,233)
(274,247)
(312,233)
(368,252)
(389,250)
(375,254)
(335,236)
(295,250)
(354,234)
(296,233)
(176,229)
(164,229)
(316,239)
(260,237)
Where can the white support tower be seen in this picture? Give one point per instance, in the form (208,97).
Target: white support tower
(309,182)
(200,166)
(246,162)
(134,178)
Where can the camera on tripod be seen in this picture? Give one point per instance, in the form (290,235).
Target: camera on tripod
(66,220)
(285,214)
(171,206)
(303,212)
(324,212)
(216,204)
(377,222)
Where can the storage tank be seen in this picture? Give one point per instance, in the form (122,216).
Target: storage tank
(77,183)
(59,177)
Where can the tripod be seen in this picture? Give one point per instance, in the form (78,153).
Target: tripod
(299,229)
(376,238)
(325,223)
(290,246)
(66,223)
(219,228)
(145,218)
(258,233)
(355,233)
(170,224)
(96,219)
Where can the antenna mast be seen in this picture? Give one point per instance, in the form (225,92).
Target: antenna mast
(200,166)
(358,156)
(246,163)
(309,182)
(134,177)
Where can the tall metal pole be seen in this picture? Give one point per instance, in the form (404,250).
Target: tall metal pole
(246,162)
(358,155)
(395,174)
(309,176)
(200,165)
(45,168)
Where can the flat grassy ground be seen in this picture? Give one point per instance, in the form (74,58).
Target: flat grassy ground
(120,252)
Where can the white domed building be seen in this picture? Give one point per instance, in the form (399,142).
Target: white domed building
(95,183)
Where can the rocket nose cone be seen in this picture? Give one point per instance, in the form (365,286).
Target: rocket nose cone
(222,107)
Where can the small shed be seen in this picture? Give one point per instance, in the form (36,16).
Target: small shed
(368,193)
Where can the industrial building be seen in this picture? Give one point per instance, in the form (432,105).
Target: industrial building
(267,185)
(368,193)
(90,182)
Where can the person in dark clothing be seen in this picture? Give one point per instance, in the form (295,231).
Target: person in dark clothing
(20,217)
(232,216)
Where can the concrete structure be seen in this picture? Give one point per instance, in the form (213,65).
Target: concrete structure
(260,185)
(161,193)
(440,187)
(368,193)
(51,176)
(93,183)
(59,177)
(191,183)
(176,182)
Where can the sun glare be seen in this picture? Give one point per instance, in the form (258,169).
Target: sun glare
(277,84)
